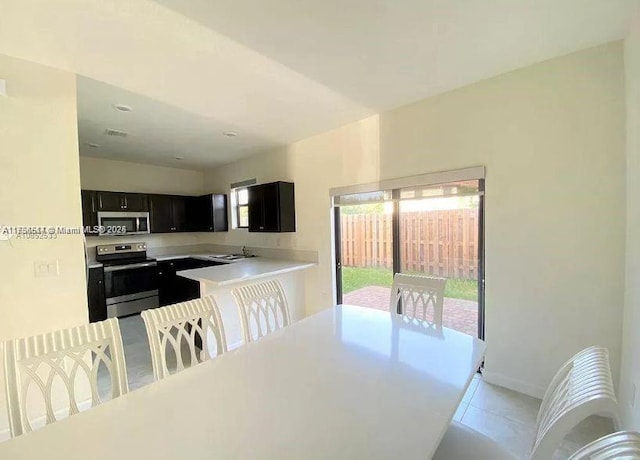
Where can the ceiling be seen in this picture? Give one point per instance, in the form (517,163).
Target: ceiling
(157,133)
(284,72)
(386,53)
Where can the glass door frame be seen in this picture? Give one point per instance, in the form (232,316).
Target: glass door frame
(395,232)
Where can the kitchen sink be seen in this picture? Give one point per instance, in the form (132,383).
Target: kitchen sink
(231,257)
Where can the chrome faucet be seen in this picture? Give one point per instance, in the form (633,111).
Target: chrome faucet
(246,252)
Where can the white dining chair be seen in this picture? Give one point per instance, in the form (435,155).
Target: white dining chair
(262,307)
(616,446)
(581,388)
(189,332)
(418,297)
(61,366)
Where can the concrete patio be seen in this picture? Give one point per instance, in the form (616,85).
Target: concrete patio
(461,315)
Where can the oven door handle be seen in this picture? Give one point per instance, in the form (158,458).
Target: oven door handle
(116,268)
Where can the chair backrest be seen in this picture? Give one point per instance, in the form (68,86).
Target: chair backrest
(61,366)
(581,388)
(418,297)
(189,332)
(615,446)
(263,309)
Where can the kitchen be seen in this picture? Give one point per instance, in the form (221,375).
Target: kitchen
(150,219)
(124,278)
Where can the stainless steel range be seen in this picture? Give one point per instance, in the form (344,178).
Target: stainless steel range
(130,278)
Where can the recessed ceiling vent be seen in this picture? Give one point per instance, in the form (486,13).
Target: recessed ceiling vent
(115,132)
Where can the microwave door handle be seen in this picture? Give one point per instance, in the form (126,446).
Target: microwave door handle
(137,229)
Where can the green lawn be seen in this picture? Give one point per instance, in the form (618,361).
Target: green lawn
(355,278)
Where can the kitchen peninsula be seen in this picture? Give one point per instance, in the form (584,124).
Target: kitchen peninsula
(219,280)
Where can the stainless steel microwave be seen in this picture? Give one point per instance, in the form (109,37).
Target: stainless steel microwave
(123,223)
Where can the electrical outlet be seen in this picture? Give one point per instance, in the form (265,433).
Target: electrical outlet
(44,268)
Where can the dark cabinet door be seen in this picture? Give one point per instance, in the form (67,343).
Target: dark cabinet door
(256,208)
(220,212)
(207,213)
(95,295)
(272,207)
(89,212)
(110,201)
(286,207)
(166,288)
(174,288)
(199,215)
(179,213)
(136,202)
(160,213)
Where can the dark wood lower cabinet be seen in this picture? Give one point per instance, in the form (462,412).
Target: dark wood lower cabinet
(95,295)
(174,288)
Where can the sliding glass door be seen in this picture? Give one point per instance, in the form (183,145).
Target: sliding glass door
(434,230)
(366,249)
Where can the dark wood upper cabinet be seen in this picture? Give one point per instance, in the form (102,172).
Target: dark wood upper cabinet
(136,202)
(207,213)
(160,217)
(179,213)
(89,212)
(168,213)
(272,207)
(119,201)
(110,201)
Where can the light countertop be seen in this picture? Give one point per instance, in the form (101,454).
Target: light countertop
(215,257)
(201,256)
(243,270)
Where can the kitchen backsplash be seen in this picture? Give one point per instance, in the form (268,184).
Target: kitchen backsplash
(192,243)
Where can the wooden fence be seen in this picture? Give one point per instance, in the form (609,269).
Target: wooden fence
(440,243)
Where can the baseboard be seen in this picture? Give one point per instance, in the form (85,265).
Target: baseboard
(520,386)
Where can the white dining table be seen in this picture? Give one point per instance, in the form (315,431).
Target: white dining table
(346,383)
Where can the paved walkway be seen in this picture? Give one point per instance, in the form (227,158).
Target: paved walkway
(461,315)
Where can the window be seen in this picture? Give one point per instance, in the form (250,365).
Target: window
(240,204)
(242,207)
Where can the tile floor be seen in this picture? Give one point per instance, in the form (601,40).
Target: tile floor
(506,416)
(510,418)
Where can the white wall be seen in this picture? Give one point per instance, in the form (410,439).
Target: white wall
(346,155)
(39,185)
(630,370)
(552,139)
(105,174)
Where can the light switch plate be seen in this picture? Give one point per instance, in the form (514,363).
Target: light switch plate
(46,268)
(3,87)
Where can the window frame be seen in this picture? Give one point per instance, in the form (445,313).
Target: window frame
(238,206)
(235,206)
